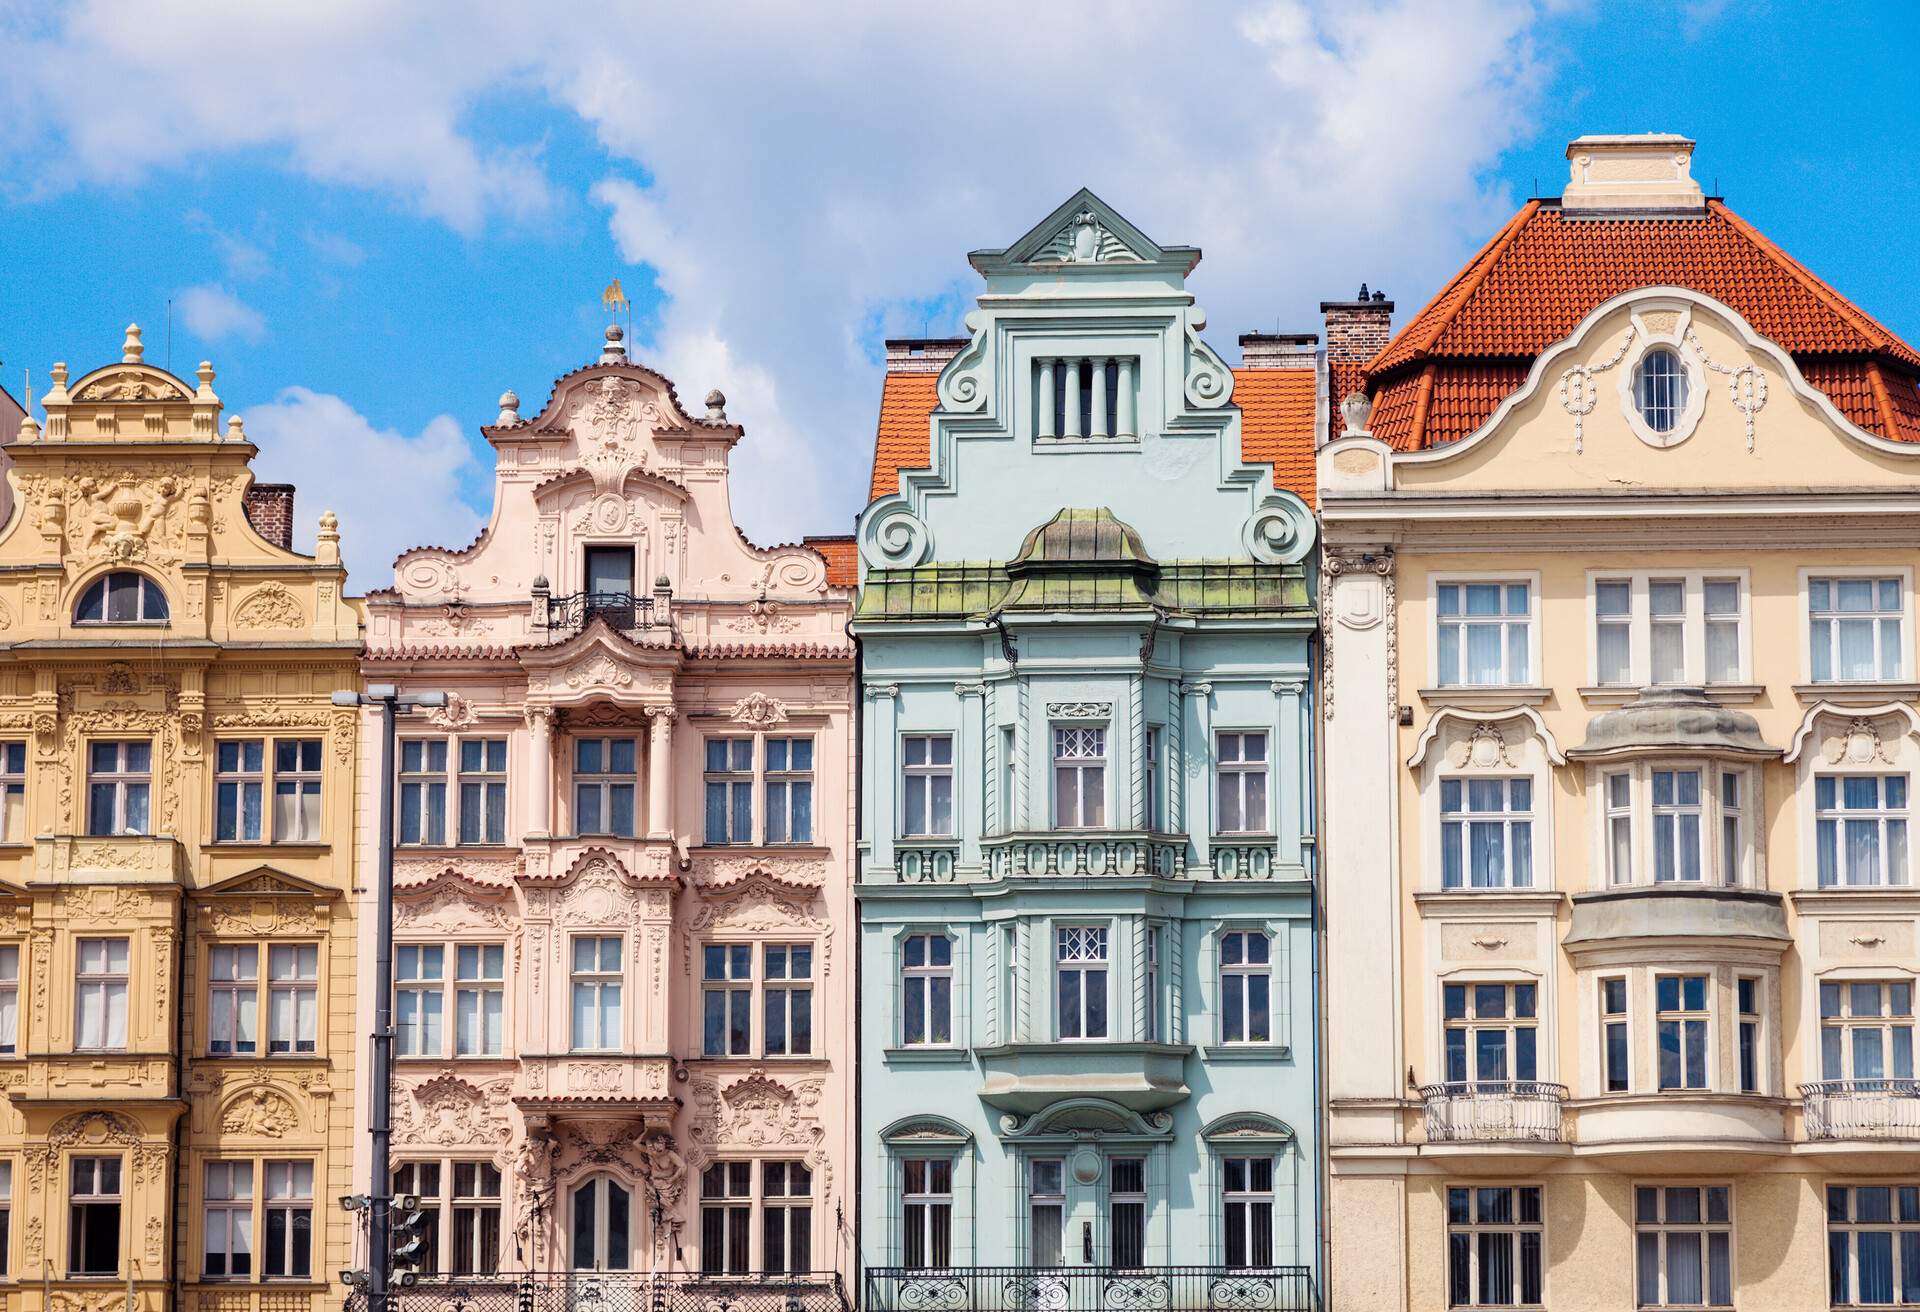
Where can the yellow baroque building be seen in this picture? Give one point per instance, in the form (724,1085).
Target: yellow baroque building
(1623,716)
(176,956)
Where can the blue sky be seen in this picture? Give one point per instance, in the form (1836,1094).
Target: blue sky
(374,220)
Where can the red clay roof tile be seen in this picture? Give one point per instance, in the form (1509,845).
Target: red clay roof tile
(903,441)
(1276,424)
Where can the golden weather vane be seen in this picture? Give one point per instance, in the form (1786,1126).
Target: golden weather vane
(615,299)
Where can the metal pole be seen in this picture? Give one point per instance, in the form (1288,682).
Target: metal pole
(379,1254)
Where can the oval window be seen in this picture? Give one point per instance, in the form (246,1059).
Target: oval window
(122,598)
(1660,388)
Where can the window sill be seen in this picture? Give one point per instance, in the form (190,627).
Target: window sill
(778,1059)
(470,1058)
(927,1057)
(1487,697)
(1723,694)
(250,1057)
(757,849)
(1237,1052)
(265,845)
(1055,444)
(1479,901)
(1891,898)
(1862,692)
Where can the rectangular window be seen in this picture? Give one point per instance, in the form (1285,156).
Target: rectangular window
(729,790)
(479,999)
(605,777)
(1860,829)
(297,763)
(119,786)
(476,1218)
(1619,819)
(786,1218)
(6,1216)
(1667,630)
(727,997)
(1154,1009)
(1721,604)
(1009,783)
(100,999)
(239,783)
(227,1226)
(1246,987)
(293,998)
(13,792)
(609,576)
(1733,827)
(1127,1212)
(1748,989)
(423,1180)
(1492,1033)
(1676,826)
(9,999)
(1616,1062)
(787,980)
(596,994)
(1613,632)
(233,1000)
(1240,778)
(1079,776)
(1690,631)
(1681,1005)
(927,985)
(423,791)
(419,1010)
(1080,975)
(1683,1241)
(726,1216)
(288,1223)
(1151,802)
(93,1217)
(1866,1032)
(1486,833)
(1046,1212)
(1247,1211)
(1873,1244)
(1495,1246)
(483,790)
(926,786)
(1855,629)
(926,1196)
(789,787)
(1483,633)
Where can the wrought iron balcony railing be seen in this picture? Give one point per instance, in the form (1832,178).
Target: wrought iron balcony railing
(1862,1109)
(1089,1289)
(615,1291)
(620,610)
(1494,1111)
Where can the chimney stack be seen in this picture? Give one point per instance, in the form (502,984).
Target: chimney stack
(269,508)
(922,355)
(1279,350)
(1359,329)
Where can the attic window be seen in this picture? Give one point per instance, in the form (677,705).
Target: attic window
(1660,389)
(122,597)
(1084,399)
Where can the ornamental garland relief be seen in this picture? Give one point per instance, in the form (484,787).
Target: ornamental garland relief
(269,606)
(759,1112)
(756,907)
(451,1112)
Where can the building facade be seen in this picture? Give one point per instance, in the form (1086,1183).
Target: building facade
(1619,571)
(1087,1012)
(624,953)
(177,967)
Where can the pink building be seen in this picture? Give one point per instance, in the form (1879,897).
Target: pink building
(624,975)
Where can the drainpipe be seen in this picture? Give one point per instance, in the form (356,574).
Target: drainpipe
(856,1283)
(169,1268)
(1322,1161)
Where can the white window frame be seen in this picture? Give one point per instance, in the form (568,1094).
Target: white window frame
(1606,1020)
(1154,789)
(425,993)
(1893,827)
(1515,1229)
(464,1212)
(1072,955)
(1903,1218)
(1065,740)
(227,1209)
(1509,1025)
(1464,820)
(483,986)
(1642,817)
(104,1032)
(929,977)
(931,772)
(1663,1228)
(779,788)
(928,1209)
(603,783)
(1904,575)
(13,791)
(446,993)
(278,992)
(1682,1016)
(429,784)
(1231,778)
(98,1196)
(1750,1034)
(10,960)
(1249,1199)
(601,979)
(1887,1024)
(482,792)
(282,1184)
(1695,623)
(735,781)
(123,779)
(1238,979)
(1462,579)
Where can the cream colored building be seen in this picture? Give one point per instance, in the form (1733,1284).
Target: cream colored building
(1620,705)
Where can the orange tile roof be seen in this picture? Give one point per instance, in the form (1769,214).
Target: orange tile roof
(843,561)
(1446,372)
(1276,424)
(902,443)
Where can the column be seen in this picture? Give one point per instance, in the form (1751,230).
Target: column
(539,771)
(1200,808)
(1070,393)
(971,782)
(1043,421)
(1098,428)
(1289,794)
(660,772)
(1124,422)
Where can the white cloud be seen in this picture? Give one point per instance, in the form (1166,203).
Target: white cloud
(392,491)
(809,179)
(214,314)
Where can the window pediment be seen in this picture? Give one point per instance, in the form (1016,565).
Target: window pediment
(1853,735)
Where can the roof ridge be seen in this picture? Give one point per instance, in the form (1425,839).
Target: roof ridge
(1461,286)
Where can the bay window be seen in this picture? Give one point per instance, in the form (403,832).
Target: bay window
(1680,1002)
(605,779)
(1079,776)
(1240,780)
(1080,979)
(119,788)
(597,980)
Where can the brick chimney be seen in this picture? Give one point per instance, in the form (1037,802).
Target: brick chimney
(922,355)
(270,511)
(1279,350)
(1357,330)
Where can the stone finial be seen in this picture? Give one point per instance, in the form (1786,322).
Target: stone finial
(661,583)
(131,350)
(326,548)
(236,429)
(205,374)
(509,408)
(615,351)
(29,429)
(716,406)
(1356,410)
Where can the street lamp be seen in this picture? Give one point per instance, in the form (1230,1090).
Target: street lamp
(391,703)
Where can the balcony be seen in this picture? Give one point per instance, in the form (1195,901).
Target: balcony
(1089,1289)
(1862,1109)
(625,611)
(107,859)
(1105,854)
(1025,1078)
(1495,1111)
(618,1291)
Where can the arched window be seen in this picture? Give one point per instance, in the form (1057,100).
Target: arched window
(123,597)
(602,1225)
(1660,388)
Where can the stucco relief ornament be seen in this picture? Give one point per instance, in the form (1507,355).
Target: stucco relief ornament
(259,1112)
(601,672)
(758,709)
(1746,385)
(1484,749)
(270,606)
(118,519)
(1860,744)
(458,713)
(606,421)
(764,616)
(1578,395)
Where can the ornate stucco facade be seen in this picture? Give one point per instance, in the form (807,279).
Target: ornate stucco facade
(1621,677)
(1087,1005)
(625,957)
(176,966)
